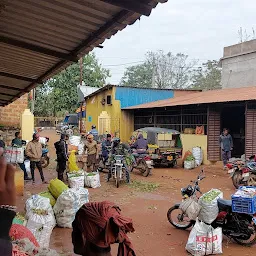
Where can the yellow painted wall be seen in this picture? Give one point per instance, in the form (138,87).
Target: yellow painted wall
(127,125)
(94,108)
(191,140)
(121,122)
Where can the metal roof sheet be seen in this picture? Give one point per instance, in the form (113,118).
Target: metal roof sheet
(40,38)
(213,96)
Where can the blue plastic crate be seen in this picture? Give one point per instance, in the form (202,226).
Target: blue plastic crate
(243,204)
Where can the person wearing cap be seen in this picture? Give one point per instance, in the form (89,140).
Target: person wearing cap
(34,152)
(92,152)
(94,132)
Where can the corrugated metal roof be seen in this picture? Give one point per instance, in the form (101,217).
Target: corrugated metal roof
(40,38)
(214,96)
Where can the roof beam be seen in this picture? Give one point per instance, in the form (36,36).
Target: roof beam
(10,88)
(38,49)
(131,5)
(27,79)
(7,94)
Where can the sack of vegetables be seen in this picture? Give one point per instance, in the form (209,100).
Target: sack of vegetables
(189,162)
(209,204)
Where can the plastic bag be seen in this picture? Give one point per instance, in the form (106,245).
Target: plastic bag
(56,187)
(75,140)
(27,166)
(14,155)
(188,165)
(47,194)
(68,204)
(198,155)
(92,179)
(76,180)
(204,240)
(209,204)
(72,162)
(41,220)
(191,208)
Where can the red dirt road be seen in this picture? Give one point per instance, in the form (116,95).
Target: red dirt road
(154,235)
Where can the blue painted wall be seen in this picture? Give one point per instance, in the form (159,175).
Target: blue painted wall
(134,96)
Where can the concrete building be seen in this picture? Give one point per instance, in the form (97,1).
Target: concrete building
(239,65)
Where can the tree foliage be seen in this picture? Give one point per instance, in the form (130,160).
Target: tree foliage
(207,77)
(59,94)
(160,70)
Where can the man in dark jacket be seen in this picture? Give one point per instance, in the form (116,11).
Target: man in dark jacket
(226,145)
(141,144)
(62,155)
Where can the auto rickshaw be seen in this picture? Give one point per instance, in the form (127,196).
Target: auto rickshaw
(165,145)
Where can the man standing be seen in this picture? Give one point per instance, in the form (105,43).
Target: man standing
(92,152)
(34,152)
(226,145)
(62,155)
(17,142)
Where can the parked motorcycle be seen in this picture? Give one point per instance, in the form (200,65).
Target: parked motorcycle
(118,169)
(243,174)
(144,164)
(240,227)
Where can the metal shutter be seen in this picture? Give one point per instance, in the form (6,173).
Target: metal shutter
(213,134)
(250,132)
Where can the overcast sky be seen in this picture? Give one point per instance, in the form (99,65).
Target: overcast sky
(198,28)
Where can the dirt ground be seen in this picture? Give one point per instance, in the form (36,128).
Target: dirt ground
(154,236)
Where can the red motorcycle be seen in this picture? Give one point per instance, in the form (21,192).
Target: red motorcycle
(144,164)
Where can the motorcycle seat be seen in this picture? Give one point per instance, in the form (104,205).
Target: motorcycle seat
(223,204)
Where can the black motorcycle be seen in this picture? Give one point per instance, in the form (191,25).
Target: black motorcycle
(237,226)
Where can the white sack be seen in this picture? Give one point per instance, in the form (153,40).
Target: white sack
(188,165)
(68,203)
(197,153)
(80,148)
(209,210)
(74,140)
(191,208)
(27,166)
(42,140)
(76,181)
(204,240)
(92,179)
(14,155)
(41,220)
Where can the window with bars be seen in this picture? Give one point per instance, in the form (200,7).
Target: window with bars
(177,118)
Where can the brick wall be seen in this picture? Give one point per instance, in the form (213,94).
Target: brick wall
(11,114)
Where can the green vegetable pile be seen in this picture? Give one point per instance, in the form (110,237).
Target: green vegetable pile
(40,211)
(90,174)
(144,186)
(210,196)
(190,158)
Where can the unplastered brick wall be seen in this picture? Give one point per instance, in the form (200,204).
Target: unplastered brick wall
(11,114)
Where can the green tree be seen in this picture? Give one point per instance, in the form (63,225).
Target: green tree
(160,70)
(59,94)
(207,77)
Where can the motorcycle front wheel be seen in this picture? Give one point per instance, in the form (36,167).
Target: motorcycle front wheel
(178,218)
(118,172)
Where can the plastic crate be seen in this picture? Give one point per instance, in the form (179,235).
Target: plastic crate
(244,204)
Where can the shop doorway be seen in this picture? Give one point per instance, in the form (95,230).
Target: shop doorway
(233,118)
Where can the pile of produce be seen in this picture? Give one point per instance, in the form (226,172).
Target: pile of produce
(190,158)
(210,196)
